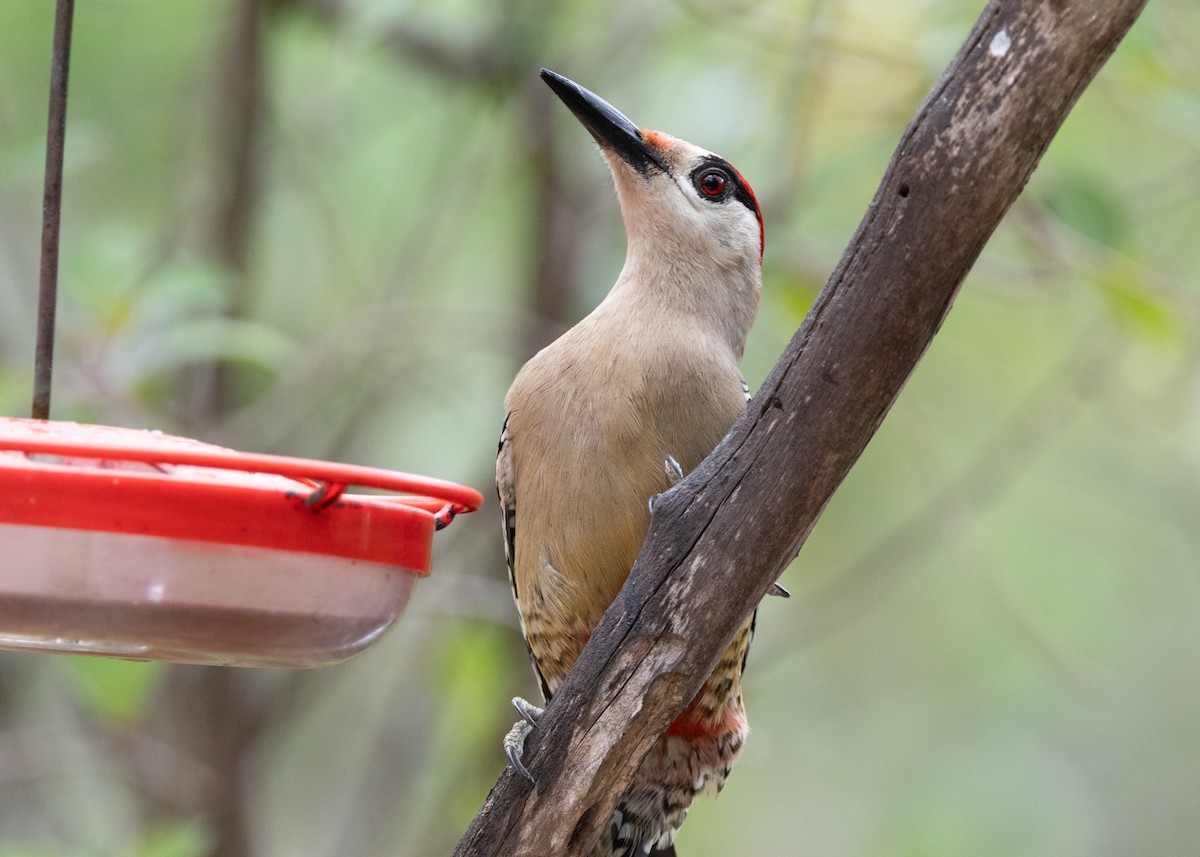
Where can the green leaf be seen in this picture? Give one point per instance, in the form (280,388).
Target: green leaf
(1086,204)
(115,691)
(208,339)
(1136,303)
(102,272)
(175,839)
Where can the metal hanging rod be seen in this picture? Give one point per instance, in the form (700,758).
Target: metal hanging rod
(52,210)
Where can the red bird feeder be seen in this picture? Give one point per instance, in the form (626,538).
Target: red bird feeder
(151,547)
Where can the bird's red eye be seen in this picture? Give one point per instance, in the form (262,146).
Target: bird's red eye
(712,183)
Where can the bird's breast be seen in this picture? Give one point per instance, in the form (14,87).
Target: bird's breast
(590,436)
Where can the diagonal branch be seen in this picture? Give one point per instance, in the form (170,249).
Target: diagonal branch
(721,536)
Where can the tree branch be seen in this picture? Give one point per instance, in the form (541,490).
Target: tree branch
(719,538)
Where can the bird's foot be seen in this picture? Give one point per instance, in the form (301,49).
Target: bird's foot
(674,474)
(674,471)
(514,741)
(776,589)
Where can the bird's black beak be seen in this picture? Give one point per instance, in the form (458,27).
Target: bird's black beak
(607,124)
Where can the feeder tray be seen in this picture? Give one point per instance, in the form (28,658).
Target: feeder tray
(146,546)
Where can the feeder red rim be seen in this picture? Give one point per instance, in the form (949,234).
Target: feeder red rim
(460,497)
(61,474)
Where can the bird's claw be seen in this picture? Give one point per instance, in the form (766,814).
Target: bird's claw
(674,474)
(778,590)
(529,712)
(514,741)
(514,744)
(674,471)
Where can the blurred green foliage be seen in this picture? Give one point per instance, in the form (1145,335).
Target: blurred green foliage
(991,648)
(115,692)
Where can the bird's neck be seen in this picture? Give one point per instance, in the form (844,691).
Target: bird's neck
(718,301)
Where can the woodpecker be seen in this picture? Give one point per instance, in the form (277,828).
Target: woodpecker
(611,414)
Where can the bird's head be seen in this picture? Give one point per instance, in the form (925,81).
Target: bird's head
(681,204)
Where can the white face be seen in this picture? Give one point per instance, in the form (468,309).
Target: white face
(699,205)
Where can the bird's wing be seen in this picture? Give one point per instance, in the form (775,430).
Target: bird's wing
(506,488)
(508,506)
